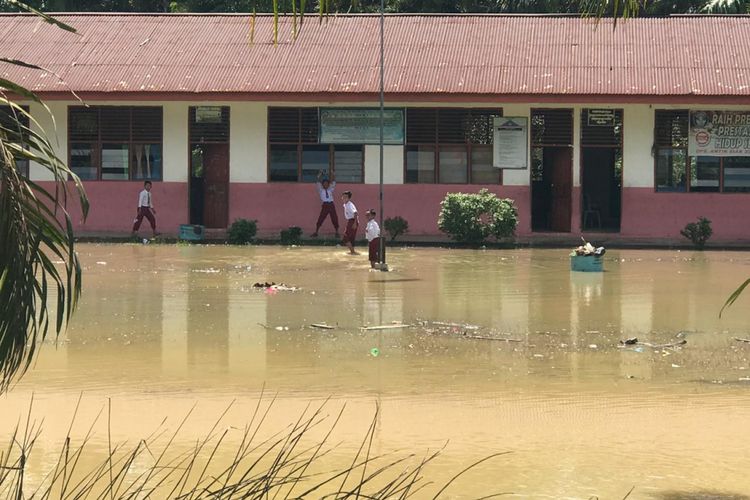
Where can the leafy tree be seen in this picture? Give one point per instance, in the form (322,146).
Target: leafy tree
(37,255)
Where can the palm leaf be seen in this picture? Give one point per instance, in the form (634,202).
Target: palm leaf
(48,19)
(40,275)
(735,295)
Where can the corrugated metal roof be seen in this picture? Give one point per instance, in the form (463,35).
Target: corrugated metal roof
(432,54)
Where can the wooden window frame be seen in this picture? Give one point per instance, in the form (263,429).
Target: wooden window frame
(688,160)
(99,142)
(300,144)
(437,146)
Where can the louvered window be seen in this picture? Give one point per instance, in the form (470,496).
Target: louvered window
(676,171)
(14,126)
(551,127)
(295,154)
(115,142)
(209,124)
(450,146)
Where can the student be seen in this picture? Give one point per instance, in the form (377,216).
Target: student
(145,209)
(352,221)
(372,231)
(325,191)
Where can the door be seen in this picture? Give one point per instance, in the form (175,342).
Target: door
(561,189)
(216,185)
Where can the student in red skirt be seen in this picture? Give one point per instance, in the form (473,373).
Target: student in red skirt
(352,221)
(372,231)
(325,191)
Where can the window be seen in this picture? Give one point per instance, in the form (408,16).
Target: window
(676,171)
(450,146)
(8,122)
(295,154)
(115,142)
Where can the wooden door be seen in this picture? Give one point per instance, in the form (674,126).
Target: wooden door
(216,187)
(562,185)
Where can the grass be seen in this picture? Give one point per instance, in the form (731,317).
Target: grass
(287,464)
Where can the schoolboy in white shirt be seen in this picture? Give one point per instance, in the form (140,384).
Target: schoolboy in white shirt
(145,209)
(352,221)
(372,232)
(325,191)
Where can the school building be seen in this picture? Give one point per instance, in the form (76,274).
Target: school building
(631,131)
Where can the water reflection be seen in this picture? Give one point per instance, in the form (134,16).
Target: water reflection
(171,325)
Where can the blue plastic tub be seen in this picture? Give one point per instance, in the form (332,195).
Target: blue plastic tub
(192,232)
(586,263)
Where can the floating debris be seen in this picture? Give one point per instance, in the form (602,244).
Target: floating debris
(280,287)
(386,327)
(630,341)
(323,326)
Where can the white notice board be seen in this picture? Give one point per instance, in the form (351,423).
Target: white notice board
(510,139)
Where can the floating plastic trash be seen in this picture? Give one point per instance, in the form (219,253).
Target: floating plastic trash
(375,352)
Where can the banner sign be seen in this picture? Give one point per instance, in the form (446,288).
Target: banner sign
(601,117)
(510,142)
(360,126)
(719,133)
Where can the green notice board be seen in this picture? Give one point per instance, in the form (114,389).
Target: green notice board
(360,126)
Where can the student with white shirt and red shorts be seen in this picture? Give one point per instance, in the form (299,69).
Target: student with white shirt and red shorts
(325,191)
(352,221)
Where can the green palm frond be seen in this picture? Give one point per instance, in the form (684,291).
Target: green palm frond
(40,275)
(735,295)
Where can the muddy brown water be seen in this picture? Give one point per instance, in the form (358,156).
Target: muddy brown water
(163,329)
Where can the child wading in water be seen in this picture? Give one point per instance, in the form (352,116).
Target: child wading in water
(325,191)
(352,221)
(145,209)
(372,231)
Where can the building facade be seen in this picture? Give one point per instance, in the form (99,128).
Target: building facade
(632,132)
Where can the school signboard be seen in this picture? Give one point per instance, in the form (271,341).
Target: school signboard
(719,133)
(510,136)
(361,126)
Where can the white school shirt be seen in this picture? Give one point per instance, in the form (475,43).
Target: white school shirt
(144,199)
(372,230)
(326,195)
(349,210)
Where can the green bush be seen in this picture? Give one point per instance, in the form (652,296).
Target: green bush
(242,231)
(698,232)
(396,226)
(473,217)
(291,236)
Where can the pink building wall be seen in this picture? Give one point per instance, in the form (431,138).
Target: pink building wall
(280,205)
(647,214)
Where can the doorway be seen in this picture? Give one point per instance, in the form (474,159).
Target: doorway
(551,169)
(601,169)
(209,185)
(551,187)
(209,166)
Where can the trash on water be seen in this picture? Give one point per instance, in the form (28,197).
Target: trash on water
(630,341)
(386,327)
(323,326)
(280,287)
(375,352)
(145,241)
(593,346)
(675,366)
(102,263)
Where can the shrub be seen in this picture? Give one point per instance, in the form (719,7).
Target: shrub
(396,226)
(291,236)
(698,232)
(472,217)
(242,231)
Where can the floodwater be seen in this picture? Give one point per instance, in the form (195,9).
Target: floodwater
(165,328)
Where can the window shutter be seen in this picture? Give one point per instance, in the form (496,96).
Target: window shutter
(147,124)
(201,131)
(309,125)
(421,126)
(592,135)
(83,123)
(452,124)
(8,117)
(283,125)
(552,127)
(671,128)
(115,123)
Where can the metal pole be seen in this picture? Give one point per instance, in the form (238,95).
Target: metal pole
(383,266)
